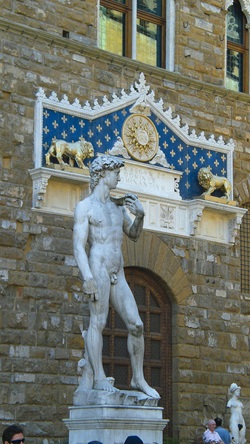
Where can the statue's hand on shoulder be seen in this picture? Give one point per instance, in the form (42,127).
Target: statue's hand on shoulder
(90,289)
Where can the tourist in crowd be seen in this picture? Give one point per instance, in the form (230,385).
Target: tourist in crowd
(13,435)
(94,442)
(133,439)
(224,433)
(210,435)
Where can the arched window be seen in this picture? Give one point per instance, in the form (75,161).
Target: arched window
(138,29)
(237,49)
(245,250)
(155,311)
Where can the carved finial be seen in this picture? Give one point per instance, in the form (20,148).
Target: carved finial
(76,104)
(41,94)
(96,105)
(141,86)
(53,97)
(87,107)
(65,100)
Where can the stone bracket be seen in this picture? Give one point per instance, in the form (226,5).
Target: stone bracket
(215,221)
(41,176)
(40,180)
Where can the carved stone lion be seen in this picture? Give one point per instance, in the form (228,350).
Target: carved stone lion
(77,151)
(211,183)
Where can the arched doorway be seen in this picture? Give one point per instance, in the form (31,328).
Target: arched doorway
(155,311)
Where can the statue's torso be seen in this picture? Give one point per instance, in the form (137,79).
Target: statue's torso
(105,235)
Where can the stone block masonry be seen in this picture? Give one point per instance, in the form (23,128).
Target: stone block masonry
(42,307)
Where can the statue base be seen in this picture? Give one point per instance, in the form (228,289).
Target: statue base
(113,424)
(110,417)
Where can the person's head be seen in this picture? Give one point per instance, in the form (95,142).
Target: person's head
(211,425)
(13,435)
(234,389)
(94,442)
(133,439)
(218,422)
(99,167)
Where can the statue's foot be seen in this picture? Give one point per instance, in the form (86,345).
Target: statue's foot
(145,388)
(104,384)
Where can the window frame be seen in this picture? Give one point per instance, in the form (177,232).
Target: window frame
(166,21)
(241,48)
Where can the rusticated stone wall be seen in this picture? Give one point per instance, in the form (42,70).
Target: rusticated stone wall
(201,40)
(76,17)
(41,300)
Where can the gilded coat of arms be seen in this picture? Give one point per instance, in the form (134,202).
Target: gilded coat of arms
(140,137)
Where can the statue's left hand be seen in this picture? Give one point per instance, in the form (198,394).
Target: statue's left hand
(134,205)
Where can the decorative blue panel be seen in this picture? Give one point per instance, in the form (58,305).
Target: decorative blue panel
(102,125)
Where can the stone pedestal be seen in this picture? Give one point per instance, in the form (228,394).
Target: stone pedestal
(112,424)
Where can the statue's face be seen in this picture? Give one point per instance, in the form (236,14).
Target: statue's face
(237,391)
(112,177)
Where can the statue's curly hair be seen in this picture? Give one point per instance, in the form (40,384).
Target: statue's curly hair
(100,165)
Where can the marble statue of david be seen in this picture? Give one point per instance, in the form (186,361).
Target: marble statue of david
(100,222)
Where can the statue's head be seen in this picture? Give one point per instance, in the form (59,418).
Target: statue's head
(233,387)
(99,167)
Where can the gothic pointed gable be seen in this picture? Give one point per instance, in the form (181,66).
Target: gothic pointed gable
(137,127)
(163,158)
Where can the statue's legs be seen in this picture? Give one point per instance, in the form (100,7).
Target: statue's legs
(124,303)
(243,434)
(98,318)
(239,435)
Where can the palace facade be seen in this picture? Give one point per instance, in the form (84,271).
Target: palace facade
(164,85)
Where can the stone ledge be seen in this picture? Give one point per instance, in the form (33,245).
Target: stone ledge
(210,219)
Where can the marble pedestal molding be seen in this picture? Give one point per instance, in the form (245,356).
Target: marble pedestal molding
(113,423)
